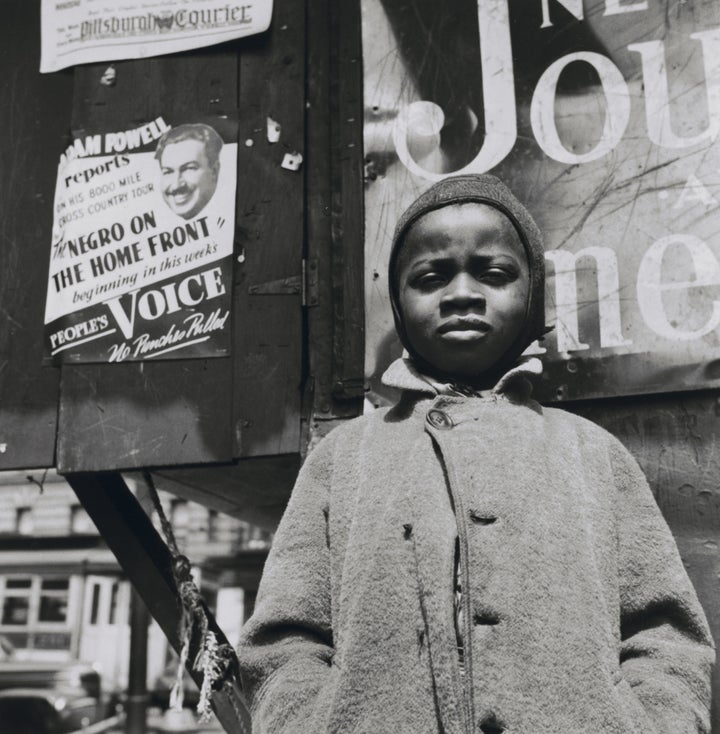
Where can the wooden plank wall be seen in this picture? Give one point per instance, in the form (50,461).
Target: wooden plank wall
(140,414)
(257,489)
(182,412)
(347,218)
(270,205)
(334,216)
(35,122)
(205,411)
(292,372)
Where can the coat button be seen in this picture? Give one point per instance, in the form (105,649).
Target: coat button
(490,725)
(482,518)
(440,420)
(486,619)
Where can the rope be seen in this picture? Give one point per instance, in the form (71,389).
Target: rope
(214,659)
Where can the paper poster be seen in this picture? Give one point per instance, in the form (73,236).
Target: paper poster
(141,257)
(84,31)
(603,117)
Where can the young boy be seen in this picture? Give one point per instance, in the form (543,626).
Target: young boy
(469,561)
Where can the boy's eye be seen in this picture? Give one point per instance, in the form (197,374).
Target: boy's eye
(497,276)
(493,275)
(428,280)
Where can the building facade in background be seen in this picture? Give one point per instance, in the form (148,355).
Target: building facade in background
(64,597)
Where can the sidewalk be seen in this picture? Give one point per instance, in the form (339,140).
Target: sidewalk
(176,722)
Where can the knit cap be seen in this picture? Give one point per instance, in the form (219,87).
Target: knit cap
(483,189)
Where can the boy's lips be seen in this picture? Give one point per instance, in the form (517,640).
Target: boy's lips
(464,328)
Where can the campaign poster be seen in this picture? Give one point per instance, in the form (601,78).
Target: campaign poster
(85,31)
(603,116)
(141,252)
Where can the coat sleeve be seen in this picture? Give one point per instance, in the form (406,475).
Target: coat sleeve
(286,647)
(666,650)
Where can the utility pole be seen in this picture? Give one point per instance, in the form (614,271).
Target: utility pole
(137,699)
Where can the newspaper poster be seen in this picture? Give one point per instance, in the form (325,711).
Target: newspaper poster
(85,31)
(603,117)
(141,256)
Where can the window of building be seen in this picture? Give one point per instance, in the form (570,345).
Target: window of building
(212,526)
(95,604)
(16,601)
(31,600)
(180,518)
(114,593)
(80,521)
(34,612)
(23,520)
(258,538)
(53,600)
(179,514)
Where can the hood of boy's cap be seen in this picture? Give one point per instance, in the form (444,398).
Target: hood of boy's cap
(482,189)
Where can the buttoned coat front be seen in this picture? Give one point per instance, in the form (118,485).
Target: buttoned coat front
(578,614)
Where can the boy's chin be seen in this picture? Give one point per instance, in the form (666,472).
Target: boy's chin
(465,361)
(471,373)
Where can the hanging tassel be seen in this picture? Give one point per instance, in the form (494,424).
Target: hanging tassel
(208,661)
(177,693)
(212,659)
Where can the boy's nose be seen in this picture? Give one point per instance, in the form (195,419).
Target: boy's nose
(463,290)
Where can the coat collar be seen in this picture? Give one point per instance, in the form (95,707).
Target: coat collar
(404,375)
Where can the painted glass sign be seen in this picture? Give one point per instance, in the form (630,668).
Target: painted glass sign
(141,257)
(603,116)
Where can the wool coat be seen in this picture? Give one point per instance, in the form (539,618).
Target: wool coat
(578,614)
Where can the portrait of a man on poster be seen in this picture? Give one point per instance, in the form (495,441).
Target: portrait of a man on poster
(189,159)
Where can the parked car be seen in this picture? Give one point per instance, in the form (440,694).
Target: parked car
(50,697)
(72,677)
(47,711)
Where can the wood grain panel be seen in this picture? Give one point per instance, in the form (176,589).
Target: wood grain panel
(35,122)
(159,413)
(267,374)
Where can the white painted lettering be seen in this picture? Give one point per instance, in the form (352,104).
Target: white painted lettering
(542,108)
(566,298)
(574,7)
(650,287)
(498,85)
(692,192)
(657,97)
(615,7)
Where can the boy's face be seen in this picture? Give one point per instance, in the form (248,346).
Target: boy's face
(463,287)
